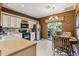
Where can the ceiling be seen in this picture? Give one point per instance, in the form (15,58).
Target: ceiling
(39,10)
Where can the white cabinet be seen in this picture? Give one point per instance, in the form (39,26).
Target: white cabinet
(32,34)
(10,21)
(31,23)
(5,20)
(1,19)
(18,22)
(13,22)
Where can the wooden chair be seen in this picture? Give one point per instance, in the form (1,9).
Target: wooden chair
(62,44)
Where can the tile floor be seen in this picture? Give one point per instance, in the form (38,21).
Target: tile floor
(44,48)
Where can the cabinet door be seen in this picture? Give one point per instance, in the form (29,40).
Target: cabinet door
(31,23)
(18,22)
(32,36)
(5,20)
(1,19)
(13,22)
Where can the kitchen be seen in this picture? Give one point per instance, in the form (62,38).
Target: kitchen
(16,23)
(16,27)
(20,31)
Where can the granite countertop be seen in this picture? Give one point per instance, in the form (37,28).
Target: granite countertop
(12,36)
(8,47)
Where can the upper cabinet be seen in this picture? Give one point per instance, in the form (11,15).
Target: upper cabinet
(31,24)
(0,12)
(1,19)
(13,22)
(18,22)
(77,8)
(10,21)
(5,20)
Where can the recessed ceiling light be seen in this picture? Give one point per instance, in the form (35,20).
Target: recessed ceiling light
(22,5)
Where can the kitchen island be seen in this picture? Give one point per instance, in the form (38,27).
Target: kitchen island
(17,47)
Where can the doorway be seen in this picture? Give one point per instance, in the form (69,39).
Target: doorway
(52,28)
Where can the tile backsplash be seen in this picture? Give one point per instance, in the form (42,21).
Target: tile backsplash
(10,30)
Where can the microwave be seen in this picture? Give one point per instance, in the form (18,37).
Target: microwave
(24,25)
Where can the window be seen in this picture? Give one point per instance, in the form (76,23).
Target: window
(57,26)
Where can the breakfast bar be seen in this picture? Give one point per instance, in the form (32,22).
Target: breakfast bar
(17,47)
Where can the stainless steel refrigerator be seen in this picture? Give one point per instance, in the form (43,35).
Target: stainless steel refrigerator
(37,31)
(77,32)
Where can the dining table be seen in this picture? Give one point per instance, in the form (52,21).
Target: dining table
(72,40)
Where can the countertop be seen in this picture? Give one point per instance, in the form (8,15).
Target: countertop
(10,36)
(8,47)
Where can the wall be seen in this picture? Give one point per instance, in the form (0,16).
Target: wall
(43,28)
(68,23)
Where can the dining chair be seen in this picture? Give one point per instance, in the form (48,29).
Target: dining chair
(62,44)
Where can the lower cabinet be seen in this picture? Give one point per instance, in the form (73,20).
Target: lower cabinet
(29,36)
(30,51)
(32,34)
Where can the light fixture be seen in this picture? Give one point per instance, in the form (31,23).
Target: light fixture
(55,18)
(50,18)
